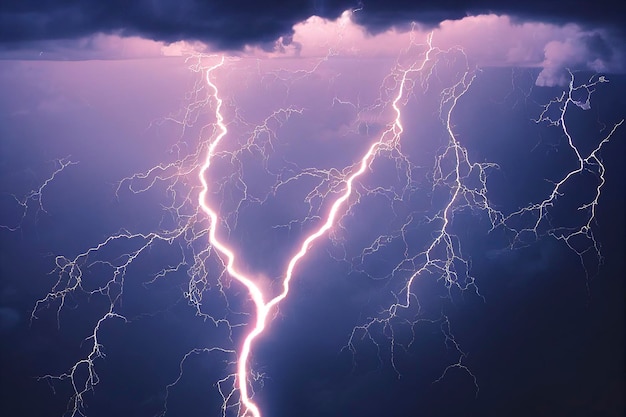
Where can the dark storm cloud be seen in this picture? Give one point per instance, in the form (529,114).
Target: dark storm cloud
(227,24)
(378,15)
(230,24)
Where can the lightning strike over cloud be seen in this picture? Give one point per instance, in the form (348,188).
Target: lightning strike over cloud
(362,163)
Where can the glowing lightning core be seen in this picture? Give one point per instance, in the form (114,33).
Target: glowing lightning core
(255,293)
(462,181)
(263,308)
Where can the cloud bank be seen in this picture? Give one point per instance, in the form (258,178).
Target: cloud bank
(489,40)
(236,23)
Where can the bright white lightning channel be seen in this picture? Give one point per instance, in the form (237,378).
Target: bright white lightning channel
(464,180)
(390,137)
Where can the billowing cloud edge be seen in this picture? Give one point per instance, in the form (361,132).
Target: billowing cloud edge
(488,40)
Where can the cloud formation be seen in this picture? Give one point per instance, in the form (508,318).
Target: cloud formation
(229,25)
(487,40)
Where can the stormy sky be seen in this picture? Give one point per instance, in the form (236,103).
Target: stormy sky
(105,118)
(233,24)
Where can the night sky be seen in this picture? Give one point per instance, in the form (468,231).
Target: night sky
(105,121)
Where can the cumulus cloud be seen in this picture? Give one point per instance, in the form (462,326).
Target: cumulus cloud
(585,50)
(487,40)
(492,40)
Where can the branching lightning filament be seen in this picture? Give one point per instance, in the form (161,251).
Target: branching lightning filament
(204,205)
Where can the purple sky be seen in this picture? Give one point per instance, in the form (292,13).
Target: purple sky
(136,116)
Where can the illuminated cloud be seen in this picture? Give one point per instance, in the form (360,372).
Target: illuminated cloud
(488,40)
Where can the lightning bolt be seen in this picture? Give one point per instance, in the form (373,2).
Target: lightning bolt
(389,138)
(443,256)
(200,229)
(580,239)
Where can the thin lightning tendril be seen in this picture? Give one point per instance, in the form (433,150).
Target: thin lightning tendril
(36,195)
(591,163)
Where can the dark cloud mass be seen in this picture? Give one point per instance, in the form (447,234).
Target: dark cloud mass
(230,24)
(381,14)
